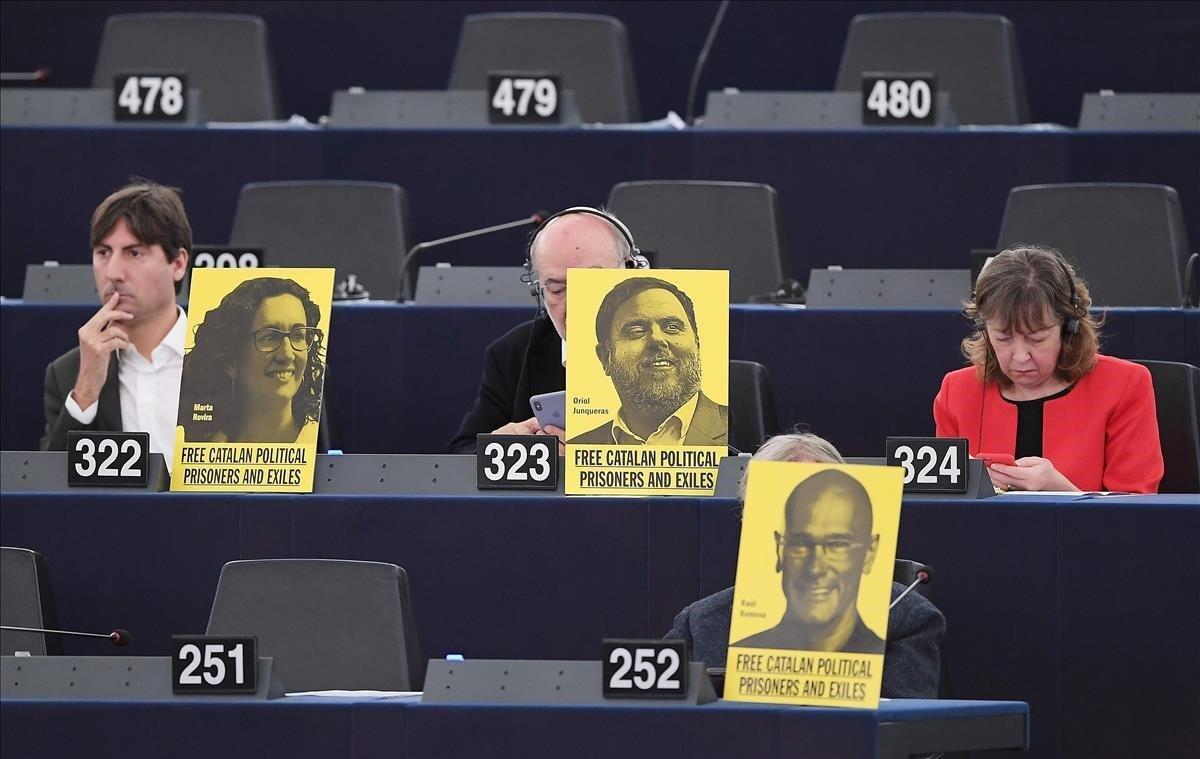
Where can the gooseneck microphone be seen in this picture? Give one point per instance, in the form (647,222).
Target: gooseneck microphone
(690,116)
(924,575)
(535,218)
(117,637)
(40,76)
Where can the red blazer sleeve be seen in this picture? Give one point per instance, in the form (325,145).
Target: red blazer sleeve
(1133,459)
(944,420)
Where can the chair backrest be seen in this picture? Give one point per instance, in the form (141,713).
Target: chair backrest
(226,56)
(1177,401)
(707,225)
(1127,241)
(590,53)
(752,415)
(905,573)
(26,601)
(330,624)
(360,228)
(974,57)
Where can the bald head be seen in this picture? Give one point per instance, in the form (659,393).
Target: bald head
(588,241)
(573,241)
(825,487)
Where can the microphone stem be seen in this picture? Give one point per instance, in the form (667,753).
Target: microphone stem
(414,250)
(905,592)
(56,632)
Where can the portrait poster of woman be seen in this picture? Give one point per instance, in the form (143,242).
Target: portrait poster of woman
(253,374)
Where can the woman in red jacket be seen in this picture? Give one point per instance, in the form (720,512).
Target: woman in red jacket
(1072,418)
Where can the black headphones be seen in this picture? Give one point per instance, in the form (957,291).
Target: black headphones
(633,259)
(1071,325)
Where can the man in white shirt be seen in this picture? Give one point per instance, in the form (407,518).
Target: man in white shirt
(124,376)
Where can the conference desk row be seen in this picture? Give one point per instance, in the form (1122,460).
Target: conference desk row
(402,376)
(864,198)
(1086,609)
(312,726)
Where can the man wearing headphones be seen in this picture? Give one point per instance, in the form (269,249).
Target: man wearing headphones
(531,358)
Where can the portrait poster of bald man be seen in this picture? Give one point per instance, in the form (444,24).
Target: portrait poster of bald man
(253,374)
(814,579)
(647,381)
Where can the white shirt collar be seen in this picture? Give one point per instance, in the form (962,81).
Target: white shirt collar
(681,420)
(172,342)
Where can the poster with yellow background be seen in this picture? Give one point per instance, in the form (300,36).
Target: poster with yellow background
(253,373)
(814,579)
(647,381)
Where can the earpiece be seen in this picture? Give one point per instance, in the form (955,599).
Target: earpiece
(634,259)
(1071,325)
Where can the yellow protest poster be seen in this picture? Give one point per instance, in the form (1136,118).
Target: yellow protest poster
(647,381)
(253,372)
(814,578)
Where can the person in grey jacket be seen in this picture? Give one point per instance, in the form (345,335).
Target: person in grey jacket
(915,625)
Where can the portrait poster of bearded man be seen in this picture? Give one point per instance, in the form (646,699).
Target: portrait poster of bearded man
(647,381)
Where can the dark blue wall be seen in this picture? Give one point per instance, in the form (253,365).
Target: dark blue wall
(1067,48)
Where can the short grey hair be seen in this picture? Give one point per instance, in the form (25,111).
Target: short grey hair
(794,446)
(622,245)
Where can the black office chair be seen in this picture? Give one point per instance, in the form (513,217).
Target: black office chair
(905,572)
(1177,403)
(26,601)
(708,225)
(589,52)
(226,56)
(752,415)
(361,228)
(974,57)
(330,624)
(1128,241)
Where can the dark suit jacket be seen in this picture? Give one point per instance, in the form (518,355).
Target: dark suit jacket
(60,381)
(911,656)
(710,426)
(527,361)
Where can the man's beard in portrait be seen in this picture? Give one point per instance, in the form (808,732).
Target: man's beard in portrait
(640,388)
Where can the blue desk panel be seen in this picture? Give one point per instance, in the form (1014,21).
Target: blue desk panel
(311,726)
(852,376)
(859,198)
(1087,610)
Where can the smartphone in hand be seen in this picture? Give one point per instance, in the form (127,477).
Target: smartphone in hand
(550,408)
(996,458)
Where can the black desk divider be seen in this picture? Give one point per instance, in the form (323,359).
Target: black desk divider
(424,109)
(46,472)
(22,106)
(410,474)
(1140,112)
(60,283)
(799,110)
(472,286)
(729,475)
(111,678)
(888,288)
(540,683)
(979,485)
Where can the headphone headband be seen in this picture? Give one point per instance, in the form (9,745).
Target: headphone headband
(613,220)
(633,259)
(1071,325)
